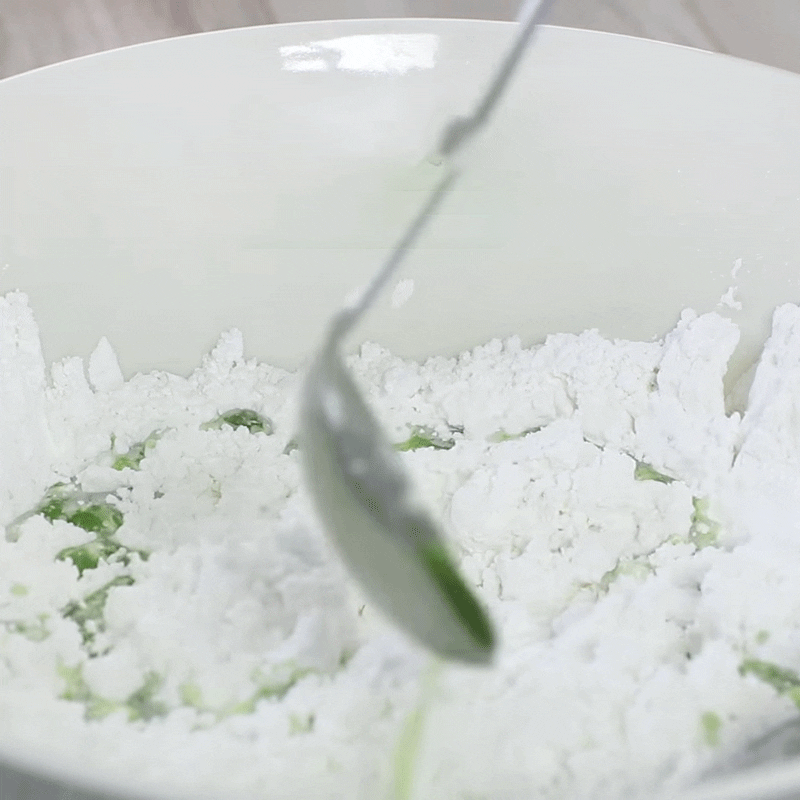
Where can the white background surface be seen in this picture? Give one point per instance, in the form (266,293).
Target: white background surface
(38,32)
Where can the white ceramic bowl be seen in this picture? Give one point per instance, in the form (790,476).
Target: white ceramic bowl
(161,193)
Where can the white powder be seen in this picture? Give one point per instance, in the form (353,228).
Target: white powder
(402,292)
(233,656)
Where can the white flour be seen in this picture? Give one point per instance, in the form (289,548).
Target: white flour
(213,644)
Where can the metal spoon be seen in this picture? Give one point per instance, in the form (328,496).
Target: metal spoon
(769,769)
(357,481)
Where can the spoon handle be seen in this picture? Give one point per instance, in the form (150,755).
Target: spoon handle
(348,316)
(779,782)
(456,132)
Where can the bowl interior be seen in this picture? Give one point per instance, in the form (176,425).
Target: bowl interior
(161,193)
(252,178)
